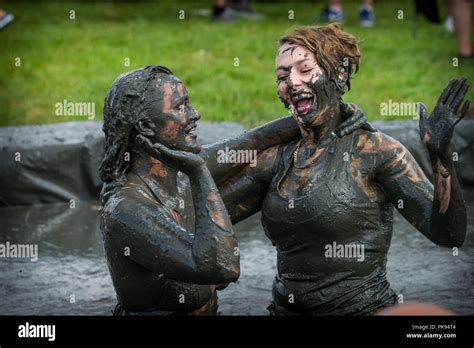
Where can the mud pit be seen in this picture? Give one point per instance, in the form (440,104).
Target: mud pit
(71,259)
(71,262)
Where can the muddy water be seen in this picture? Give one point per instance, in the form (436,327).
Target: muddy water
(71,277)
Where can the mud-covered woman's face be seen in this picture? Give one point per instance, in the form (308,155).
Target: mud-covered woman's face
(174,119)
(303,86)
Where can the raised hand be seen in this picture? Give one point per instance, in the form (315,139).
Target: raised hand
(436,131)
(186,162)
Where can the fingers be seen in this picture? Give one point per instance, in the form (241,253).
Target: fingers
(464,108)
(162,148)
(352,127)
(368,127)
(422,113)
(147,145)
(157,147)
(457,87)
(145,142)
(347,109)
(184,157)
(167,152)
(463,112)
(354,119)
(445,93)
(460,96)
(349,118)
(350,114)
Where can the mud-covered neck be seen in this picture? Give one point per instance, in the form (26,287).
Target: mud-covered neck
(153,170)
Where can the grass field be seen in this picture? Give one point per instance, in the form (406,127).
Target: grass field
(76,60)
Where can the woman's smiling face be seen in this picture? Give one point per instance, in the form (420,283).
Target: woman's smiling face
(296,72)
(303,86)
(173,118)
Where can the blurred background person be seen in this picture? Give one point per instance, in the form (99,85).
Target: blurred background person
(460,10)
(230,10)
(335,13)
(5,18)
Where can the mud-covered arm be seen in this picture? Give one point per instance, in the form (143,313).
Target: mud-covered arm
(258,139)
(424,206)
(271,134)
(162,246)
(439,212)
(243,194)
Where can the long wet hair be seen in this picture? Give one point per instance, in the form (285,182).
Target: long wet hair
(332,47)
(124,107)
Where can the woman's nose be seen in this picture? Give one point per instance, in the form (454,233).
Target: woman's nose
(294,81)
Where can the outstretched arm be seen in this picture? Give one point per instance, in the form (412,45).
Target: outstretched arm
(438,212)
(244,193)
(258,139)
(280,131)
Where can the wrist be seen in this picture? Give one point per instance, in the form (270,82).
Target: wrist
(199,170)
(444,155)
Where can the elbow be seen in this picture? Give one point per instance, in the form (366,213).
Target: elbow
(221,274)
(231,274)
(450,236)
(454,241)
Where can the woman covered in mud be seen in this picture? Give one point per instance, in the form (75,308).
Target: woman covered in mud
(164,254)
(167,235)
(327,201)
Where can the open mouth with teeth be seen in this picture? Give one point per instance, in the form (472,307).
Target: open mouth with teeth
(302,103)
(191,131)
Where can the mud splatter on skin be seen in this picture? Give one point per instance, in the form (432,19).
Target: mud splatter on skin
(298,74)
(142,202)
(343,190)
(157,168)
(179,117)
(216,212)
(167,235)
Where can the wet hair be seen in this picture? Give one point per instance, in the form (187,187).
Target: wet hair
(332,47)
(124,107)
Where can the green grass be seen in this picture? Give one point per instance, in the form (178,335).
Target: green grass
(78,59)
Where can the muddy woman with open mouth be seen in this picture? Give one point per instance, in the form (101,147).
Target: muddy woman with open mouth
(327,201)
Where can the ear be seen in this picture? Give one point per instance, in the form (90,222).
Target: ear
(143,127)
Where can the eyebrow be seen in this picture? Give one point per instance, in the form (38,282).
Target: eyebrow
(302,60)
(288,68)
(291,47)
(181,99)
(285,68)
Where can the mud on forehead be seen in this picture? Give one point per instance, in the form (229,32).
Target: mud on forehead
(170,81)
(171,88)
(292,49)
(290,54)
